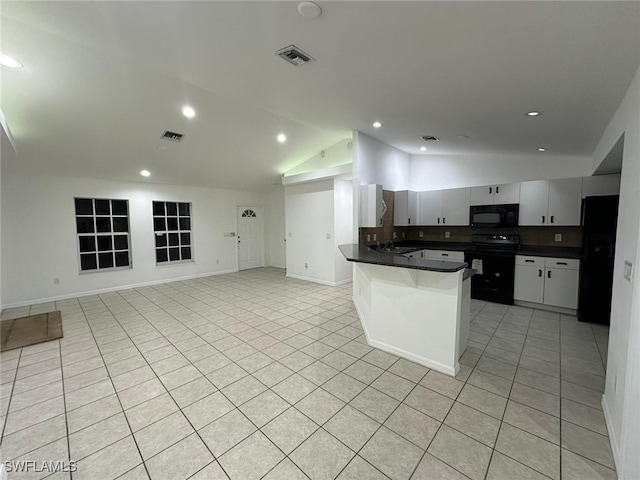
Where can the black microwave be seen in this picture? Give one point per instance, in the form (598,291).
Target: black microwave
(494,216)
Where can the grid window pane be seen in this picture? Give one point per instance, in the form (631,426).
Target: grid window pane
(121,242)
(120,224)
(105,260)
(172,223)
(161,239)
(172,227)
(96,221)
(88,261)
(122,259)
(159,224)
(158,208)
(119,207)
(87,244)
(103,224)
(104,243)
(172,209)
(161,255)
(84,224)
(185,224)
(103,207)
(84,206)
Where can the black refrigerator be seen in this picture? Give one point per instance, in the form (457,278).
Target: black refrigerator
(599,221)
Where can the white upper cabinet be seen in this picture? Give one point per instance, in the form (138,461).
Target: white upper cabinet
(444,207)
(405,208)
(371,206)
(534,203)
(495,194)
(565,201)
(455,206)
(551,202)
(429,207)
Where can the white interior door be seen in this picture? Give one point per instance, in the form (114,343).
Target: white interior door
(250,237)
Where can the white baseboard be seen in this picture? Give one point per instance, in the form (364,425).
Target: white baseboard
(88,293)
(615,448)
(318,280)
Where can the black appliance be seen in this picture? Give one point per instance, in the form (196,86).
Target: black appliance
(494,216)
(599,222)
(494,259)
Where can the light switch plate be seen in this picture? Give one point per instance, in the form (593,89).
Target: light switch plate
(375,237)
(558,237)
(395,235)
(421,234)
(368,237)
(447,234)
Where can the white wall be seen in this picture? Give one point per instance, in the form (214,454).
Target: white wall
(343,227)
(309,218)
(377,162)
(275,229)
(39,237)
(622,394)
(433,172)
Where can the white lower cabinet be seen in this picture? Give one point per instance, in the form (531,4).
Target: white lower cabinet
(546,280)
(447,255)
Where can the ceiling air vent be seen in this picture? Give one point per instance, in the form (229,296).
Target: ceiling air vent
(294,55)
(430,138)
(173,136)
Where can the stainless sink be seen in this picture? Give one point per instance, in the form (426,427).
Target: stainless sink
(398,250)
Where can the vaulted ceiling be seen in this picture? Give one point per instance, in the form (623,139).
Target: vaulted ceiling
(103,80)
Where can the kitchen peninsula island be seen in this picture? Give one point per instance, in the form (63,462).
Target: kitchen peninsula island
(415,308)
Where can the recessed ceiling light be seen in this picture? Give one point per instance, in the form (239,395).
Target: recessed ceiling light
(188,111)
(423,149)
(377,124)
(145,173)
(533,113)
(463,137)
(9,62)
(542,149)
(281,138)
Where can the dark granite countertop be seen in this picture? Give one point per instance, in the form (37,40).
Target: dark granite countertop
(431,245)
(363,254)
(554,252)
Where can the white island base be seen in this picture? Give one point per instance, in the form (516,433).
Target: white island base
(419,315)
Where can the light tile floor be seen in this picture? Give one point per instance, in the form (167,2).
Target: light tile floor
(254,375)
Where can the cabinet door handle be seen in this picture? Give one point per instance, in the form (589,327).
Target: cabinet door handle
(542,218)
(548,273)
(530,261)
(497,189)
(551,218)
(445,254)
(539,272)
(438,219)
(409,221)
(490,190)
(443,220)
(380,221)
(562,263)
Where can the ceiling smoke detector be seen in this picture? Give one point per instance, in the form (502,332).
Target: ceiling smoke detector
(430,138)
(294,55)
(173,136)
